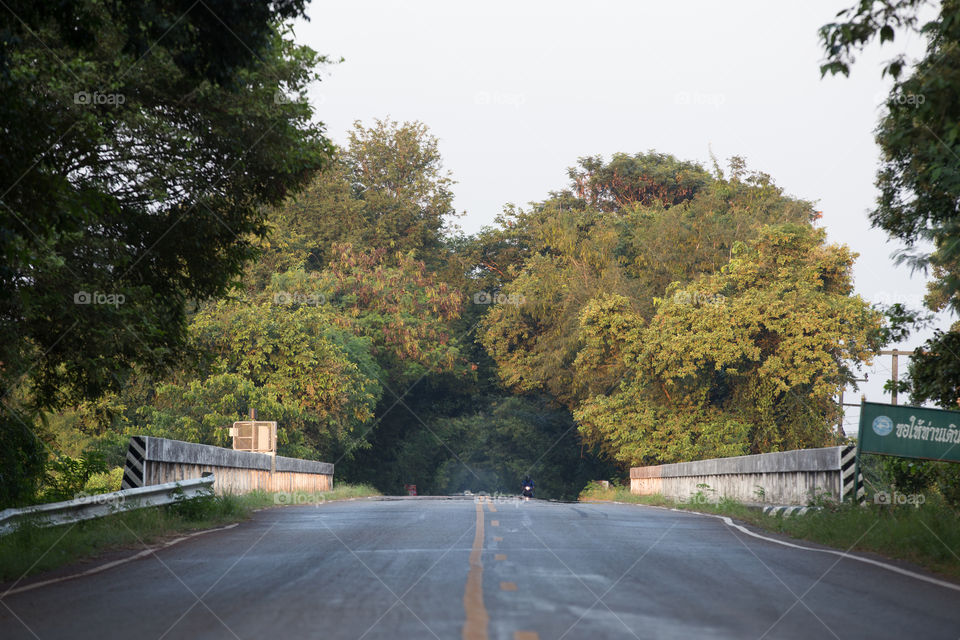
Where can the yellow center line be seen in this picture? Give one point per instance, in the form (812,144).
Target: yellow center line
(500,556)
(475,626)
(497,539)
(494,523)
(508,586)
(491,508)
(526,635)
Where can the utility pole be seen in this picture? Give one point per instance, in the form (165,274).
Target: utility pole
(848,404)
(894,369)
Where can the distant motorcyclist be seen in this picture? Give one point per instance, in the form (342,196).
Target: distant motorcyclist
(527,487)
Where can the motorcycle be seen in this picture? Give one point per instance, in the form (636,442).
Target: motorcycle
(527,491)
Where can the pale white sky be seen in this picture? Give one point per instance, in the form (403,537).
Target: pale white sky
(516,92)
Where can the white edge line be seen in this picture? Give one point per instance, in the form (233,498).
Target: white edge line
(833,552)
(115,563)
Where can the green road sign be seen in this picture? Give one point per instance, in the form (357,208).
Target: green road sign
(910,432)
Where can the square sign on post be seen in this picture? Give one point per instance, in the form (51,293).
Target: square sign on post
(254,435)
(909,432)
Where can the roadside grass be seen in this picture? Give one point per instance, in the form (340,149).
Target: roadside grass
(928,536)
(339,492)
(31,549)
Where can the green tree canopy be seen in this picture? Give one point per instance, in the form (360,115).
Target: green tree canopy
(572,252)
(919,175)
(747,360)
(142,141)
(610,310)
(386,189)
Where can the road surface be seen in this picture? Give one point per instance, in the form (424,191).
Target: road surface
(457,569)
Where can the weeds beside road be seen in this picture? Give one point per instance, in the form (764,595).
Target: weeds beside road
(31,549)
(927,535)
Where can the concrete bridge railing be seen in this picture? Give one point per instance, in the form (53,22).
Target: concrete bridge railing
(782,478)
(153,461)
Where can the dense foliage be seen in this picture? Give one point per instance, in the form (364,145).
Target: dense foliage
(745,361)
(654,311)
(919,137)
(181,244)
(716,323)
(919,184)
(141,142)
(225,256)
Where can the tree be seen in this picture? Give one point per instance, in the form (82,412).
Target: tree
(399,306)
(284,356)
(745,360)
(607,305)
(533,334)
(141,141)
(385,189)
(574,252)
(325,380)
(303,230)
(397,173)
(129,182)
(918,135)
(919,175)
(644,178)
(493,448)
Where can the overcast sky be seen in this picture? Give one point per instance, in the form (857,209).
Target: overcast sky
(516,92)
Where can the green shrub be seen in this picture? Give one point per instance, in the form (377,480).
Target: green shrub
(948,483)
(908,476)
(22,459)
(66,476)
(104,482)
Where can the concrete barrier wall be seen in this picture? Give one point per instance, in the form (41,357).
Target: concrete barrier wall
(783,478)
(158,460)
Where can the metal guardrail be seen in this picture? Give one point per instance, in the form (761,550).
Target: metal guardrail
(105,504)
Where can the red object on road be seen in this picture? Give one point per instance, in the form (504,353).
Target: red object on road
(411,489)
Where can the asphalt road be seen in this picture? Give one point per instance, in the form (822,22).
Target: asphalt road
(456,569)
